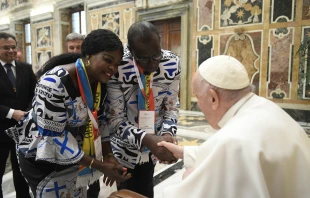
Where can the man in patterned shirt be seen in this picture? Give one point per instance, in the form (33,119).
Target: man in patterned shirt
(141,106)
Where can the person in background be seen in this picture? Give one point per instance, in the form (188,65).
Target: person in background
(19,56)
(141,106)
(59,142)
(74,42)
(258,150)
(17,83)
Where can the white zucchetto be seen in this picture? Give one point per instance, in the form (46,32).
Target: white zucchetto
(224,72)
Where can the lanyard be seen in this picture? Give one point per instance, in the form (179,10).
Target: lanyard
(140,82)
(87,96)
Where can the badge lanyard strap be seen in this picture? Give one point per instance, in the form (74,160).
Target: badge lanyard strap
(141,85)
(80,70)
(140,82)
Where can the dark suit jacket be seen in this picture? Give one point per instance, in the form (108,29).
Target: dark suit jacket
(19,100)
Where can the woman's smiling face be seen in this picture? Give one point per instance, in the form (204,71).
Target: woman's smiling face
(103,65)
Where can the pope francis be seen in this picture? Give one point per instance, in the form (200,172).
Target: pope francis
(259,151)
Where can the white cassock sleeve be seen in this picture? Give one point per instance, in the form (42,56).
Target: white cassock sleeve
(224,167)
(189,156)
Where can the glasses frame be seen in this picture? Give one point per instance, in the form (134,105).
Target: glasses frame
(146,60)
(12,47)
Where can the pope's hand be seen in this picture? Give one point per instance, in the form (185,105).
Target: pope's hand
(163,154)
(176,150)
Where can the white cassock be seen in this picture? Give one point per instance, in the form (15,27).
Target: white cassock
(259,152)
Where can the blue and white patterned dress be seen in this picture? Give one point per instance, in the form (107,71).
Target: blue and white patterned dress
(121,107)
(51,135)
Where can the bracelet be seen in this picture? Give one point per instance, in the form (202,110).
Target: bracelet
(91,163)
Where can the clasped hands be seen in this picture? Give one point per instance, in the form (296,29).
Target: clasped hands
(113,171)
(160,152)
(110,167)
(164,148)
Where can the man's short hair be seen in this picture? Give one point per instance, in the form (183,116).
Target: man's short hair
(74,36)
(4,35)
(141,29)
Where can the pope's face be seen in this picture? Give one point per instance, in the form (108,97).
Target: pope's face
(204,98)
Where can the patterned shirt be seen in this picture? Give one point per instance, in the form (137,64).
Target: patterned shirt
(53,129)
(122,110)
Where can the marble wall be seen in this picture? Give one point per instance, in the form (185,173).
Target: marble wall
(204,48)
(304,68)
(306,9)
(19,33)
(241,12)
(246,47)
(117,19)
(205,8)
(280,63)
(265,36)
(282,10)
(42,38)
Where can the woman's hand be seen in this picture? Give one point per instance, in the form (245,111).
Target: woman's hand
(112,172)
(109,158)
(109,168)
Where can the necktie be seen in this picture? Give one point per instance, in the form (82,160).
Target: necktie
(10,74)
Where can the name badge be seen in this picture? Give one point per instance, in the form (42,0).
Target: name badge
(98,148)
(147,121)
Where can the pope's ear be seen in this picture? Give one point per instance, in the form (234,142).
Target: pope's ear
(215,99)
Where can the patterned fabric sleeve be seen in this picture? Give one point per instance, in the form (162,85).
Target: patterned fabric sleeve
(171,112)
(57,145)
(103,129)
(116,113)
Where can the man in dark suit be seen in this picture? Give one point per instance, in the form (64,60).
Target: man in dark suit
(17,83)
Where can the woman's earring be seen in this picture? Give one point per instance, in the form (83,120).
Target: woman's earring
(88,63)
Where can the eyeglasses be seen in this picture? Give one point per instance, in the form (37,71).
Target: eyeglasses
(7,48)
(146,60)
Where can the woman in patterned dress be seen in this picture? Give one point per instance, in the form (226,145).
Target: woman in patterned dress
(56,137)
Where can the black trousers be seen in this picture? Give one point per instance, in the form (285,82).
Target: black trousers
(141,180)
(93,190)
(20,184)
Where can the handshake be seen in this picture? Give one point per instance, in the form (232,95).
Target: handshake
(158,149)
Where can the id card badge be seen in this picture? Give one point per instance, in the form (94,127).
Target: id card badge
(147,121)
(98,148)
